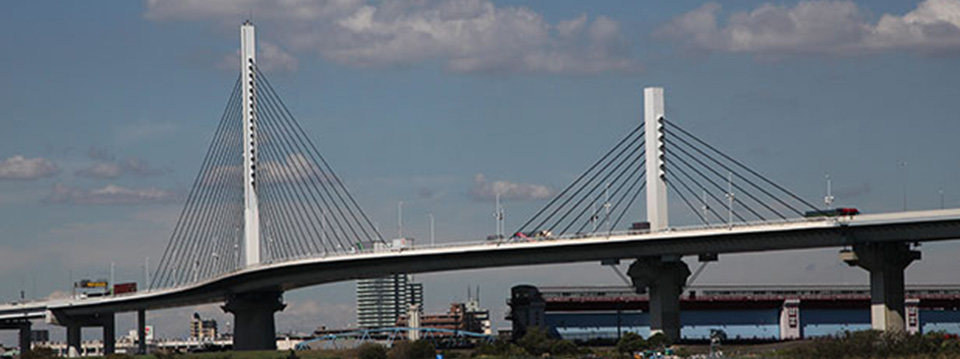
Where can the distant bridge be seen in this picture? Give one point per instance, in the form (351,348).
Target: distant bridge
(267,214)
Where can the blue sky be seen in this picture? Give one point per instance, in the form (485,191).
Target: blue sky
(107,110)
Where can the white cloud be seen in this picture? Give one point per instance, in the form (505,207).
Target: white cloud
(144,130)
(465,35)
(484,190)
(109,195)
(107,167)
(270,57)
(101,170)
(820,27)
(22,168)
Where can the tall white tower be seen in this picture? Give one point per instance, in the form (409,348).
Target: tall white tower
(251,227)
(656,177)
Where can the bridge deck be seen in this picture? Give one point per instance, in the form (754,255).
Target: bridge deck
(835,232)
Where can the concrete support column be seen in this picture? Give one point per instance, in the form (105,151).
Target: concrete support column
(109,334)
(141,332)
(23,327)
(74,348)
(664,279)
(790,326)
(253,327)
(886,262)
(913,316)
(24,337)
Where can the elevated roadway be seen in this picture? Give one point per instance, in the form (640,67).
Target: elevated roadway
(915,226)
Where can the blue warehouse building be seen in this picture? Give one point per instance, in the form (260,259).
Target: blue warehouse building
(756,313)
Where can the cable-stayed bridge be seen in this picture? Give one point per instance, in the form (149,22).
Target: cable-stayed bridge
(267,214)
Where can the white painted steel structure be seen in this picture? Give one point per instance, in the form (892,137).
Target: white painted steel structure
(657,211)
(251,228)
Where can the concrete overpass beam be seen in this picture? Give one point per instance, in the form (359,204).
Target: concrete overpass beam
(254,327)
(886,263)
(664,279)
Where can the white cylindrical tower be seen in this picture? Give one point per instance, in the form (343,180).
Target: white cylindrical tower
(655,171)
(251,228)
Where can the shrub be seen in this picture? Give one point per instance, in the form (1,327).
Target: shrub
(563,348)
(535,341)
(659,340)
(501,348)
(631,342)
(39,353)
(371,351)
(419,349)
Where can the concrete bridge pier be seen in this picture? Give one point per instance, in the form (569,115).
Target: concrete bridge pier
(75,325)
(23,328)
(664,279)
(886,263)
(141,332)
(254,327)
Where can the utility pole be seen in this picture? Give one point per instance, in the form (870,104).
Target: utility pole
(941,198)
(432,238)
(400,219)
(146,273)
(828,199)
(498,215)
(903,176)
(730,199)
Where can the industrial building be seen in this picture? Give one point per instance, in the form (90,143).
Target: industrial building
(468,317)
(202,329)
(751,312)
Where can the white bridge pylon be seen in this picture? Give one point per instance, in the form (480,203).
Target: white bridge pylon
(251,213)
(653,112)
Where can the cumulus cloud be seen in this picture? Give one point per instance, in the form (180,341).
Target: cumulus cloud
(465,35)
(484,190)
(144,130)
(107,167)
(108,195)
(270,57)
(22,168)
(820,27)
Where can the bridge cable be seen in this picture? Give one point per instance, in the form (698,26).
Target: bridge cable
(325,189)
(619,170)
(579,178)
(701,163)
(339,210)
(170,264)
(703,201)
(208,217)
(313,179)
(287,198)
(311,216)
(599,184)
(668,181)
(163,269)
(748,169)
(309,142)
(732,172)
(723,203)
